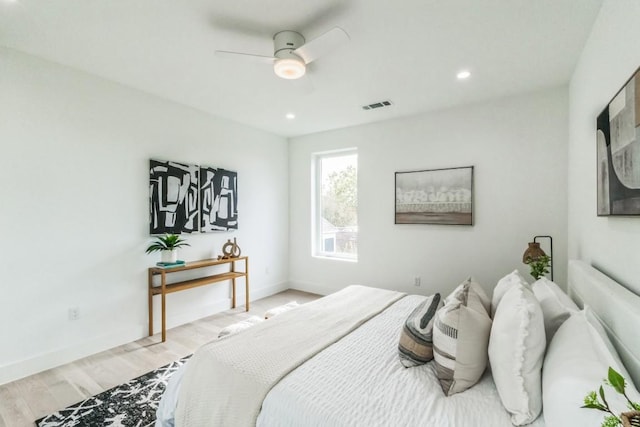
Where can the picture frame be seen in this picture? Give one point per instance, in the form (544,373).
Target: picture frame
(618,152)
(186,198)
(218,199)
(434,196)
(173,197)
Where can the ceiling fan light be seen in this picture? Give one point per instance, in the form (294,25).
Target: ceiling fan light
(289,68)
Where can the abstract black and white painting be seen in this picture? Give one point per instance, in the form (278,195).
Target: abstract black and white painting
(618,152)
(218,199)
(437,196)
(173,197)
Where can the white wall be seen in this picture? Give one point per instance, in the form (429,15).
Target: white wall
(74,161)
(519,149)
(610,57)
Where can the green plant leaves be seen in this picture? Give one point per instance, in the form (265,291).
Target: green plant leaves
(591,401)
(616,380)
(167,242)
(611,421)
(604,400)
(539,266)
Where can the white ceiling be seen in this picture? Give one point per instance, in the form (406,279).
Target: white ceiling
(406,51)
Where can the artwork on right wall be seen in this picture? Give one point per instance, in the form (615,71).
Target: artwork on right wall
(618,152)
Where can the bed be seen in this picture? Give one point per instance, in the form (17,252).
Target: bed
(352,376)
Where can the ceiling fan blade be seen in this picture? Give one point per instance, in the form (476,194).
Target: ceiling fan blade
(322,45)
(245,56)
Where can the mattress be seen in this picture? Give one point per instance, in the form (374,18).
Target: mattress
(359,381)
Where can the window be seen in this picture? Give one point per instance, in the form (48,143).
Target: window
(335,208)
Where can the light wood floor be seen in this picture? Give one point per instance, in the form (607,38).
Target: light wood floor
(25,400)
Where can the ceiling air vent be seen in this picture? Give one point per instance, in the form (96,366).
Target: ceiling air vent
(376,105)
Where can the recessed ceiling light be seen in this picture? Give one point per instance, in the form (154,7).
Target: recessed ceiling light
(464,74)
(290,116)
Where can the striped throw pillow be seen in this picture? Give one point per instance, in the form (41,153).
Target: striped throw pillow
(461,338)
(416,345)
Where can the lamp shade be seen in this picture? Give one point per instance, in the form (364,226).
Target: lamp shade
(533,252)
(289,68)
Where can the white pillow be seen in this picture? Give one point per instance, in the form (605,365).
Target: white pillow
(516,351)
(234,328)
(556,305)
(281,309)
(604,345)
(576,363)
(504,284)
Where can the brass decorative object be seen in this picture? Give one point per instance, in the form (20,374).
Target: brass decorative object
(230,250)
(630,419)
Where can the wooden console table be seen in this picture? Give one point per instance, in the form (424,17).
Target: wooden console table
(168,288)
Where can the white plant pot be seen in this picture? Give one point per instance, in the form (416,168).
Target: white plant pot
(169,256)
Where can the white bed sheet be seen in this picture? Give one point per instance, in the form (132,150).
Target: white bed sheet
(359,381)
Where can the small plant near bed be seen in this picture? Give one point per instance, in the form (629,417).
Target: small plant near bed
(598,401)
(539,266)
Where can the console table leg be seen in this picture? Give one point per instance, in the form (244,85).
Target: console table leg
(164,319)
(233,293)
(246,284)
(150,304)
(164,306)
(246,295)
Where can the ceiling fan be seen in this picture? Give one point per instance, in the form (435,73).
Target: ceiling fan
(291,53)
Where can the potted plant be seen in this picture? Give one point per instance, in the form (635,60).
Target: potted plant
(539,266)
(167,245)
(598,401)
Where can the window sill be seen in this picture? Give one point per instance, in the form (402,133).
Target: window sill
(335,258)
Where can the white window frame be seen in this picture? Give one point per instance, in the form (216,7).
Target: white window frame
(317,241)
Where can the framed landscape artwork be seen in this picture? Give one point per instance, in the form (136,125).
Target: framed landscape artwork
(436,196)
(618,152)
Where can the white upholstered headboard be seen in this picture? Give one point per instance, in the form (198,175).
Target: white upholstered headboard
(617,308)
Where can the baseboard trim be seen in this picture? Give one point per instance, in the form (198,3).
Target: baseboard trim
(42,362)
(17,370)
(313,288)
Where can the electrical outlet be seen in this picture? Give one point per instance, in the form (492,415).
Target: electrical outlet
(74,313)
(416,281)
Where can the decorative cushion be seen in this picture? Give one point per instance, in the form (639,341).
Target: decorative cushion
(516,351)
(576,363)
(460,338)
(556,305)
(504,284)
(240,326)
(416,344)
(460,293)
(281,309)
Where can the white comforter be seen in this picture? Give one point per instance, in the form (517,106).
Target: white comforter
(359,381)
(228,379)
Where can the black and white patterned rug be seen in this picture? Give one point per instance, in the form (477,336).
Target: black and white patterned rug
(130,404)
